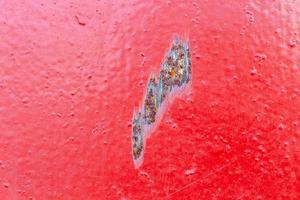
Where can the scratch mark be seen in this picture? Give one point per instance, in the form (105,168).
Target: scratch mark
(204,177)
(175,74)
(79,21)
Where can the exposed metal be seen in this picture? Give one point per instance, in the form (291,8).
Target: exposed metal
(175,73)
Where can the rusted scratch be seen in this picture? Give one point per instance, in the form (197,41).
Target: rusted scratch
(175,73)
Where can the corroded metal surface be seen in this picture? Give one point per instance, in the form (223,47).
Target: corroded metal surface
(175,73)
(72,71)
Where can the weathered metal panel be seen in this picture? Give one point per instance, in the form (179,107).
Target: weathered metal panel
(73,72)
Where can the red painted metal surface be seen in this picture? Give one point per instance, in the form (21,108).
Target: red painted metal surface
(71,73)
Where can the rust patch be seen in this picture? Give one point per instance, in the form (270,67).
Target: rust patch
(174,74)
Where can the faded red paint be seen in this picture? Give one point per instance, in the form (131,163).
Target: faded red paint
(72,71)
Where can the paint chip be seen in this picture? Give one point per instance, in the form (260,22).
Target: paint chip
(175,73)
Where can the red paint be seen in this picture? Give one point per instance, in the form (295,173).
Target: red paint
(72,72)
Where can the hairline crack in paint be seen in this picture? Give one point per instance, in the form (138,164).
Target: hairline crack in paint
(175,74)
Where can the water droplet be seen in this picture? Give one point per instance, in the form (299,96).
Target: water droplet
(295,123)
(247,151)
(261,148)
(254,138)
(228,147)
(25,100)
(70,139)
(293,43)
(189,172)
(174,125)
(281,126)
(253,71)
(224,140)
(142,173)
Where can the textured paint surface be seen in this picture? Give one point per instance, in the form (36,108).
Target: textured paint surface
(71,72)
